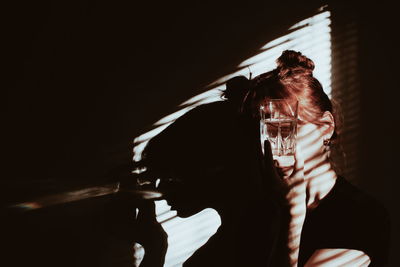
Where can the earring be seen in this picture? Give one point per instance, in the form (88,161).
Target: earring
(327,142)
(327,147)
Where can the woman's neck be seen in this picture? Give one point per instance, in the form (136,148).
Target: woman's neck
(320,181)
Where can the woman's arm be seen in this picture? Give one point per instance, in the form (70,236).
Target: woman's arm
(338,257)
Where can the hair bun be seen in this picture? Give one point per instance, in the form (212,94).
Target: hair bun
(291,62)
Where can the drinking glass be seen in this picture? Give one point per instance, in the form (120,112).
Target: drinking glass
(278,125)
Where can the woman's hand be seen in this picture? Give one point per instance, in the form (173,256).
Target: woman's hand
(291,172)
(288,173)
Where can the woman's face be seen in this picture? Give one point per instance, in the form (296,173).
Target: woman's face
(310,141)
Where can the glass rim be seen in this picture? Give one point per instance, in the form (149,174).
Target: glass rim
(269,103)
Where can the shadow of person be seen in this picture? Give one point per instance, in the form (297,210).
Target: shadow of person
(208,159)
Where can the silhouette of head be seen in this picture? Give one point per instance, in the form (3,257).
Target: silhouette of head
(192,194)
(195,157)
(237,89)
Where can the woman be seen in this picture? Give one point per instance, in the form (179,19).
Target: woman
(329,221)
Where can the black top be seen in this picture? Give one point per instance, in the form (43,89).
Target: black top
(347,218)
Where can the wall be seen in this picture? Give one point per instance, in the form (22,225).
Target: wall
(84,78)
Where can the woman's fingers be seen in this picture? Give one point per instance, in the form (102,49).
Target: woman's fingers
(269,161)
(267,152)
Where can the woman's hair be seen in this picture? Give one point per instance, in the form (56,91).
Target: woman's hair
(292,80)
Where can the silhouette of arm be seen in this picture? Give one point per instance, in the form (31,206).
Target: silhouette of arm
(151,238)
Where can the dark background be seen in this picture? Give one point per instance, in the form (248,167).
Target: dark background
(84,78)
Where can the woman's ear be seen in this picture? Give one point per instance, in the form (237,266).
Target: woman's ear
(327,124)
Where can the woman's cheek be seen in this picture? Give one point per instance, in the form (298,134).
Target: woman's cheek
(308,142)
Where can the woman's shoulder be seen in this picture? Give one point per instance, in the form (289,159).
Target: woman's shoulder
(352,212)
(355,199)
(355,219)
